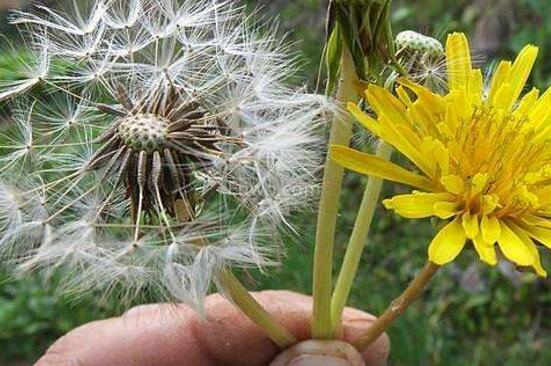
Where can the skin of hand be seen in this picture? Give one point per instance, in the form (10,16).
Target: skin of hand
(175,335)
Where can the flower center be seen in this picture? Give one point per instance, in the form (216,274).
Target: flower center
(144,132)
(498,163)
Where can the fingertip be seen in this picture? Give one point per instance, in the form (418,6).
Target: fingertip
(54,356)
(355,324)
(66,350)
(377,354)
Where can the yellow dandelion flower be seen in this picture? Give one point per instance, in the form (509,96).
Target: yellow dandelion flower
(483,157)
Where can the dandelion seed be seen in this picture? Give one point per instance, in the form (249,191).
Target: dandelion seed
(32,70)
(81,24)
(123,14)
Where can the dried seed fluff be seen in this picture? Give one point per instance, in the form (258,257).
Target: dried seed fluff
(153,143)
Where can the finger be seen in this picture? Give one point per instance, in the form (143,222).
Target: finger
(167,335)
(355,324)
(296,318)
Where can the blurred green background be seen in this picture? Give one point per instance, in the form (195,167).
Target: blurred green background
(471,315)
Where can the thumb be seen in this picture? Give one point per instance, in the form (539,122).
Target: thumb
(317,352)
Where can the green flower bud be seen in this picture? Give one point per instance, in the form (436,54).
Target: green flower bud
(416,42)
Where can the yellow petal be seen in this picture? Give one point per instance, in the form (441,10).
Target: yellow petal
(453,184)
(462,108)
(445,210)
(533,220)
(503,97)
(489,203)
(490,229)
(476,85)
(486,251)
(510,86)
(362,117)
(541,234)
(448,243)
(404,96)
(527,102)
(434,103)
(427,109)
(458,58)
(386,104)
(540,111)
(470,225)
(451,118)
(500,77)
(405,141)
(377,167)
(544,193)
(521,70)
(538,268)
(478,183)
(417,205)
(526,196)
(442,157)
(531,246)
(541,174)
(513,247)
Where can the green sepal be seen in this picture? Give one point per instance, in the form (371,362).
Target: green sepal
(333,54)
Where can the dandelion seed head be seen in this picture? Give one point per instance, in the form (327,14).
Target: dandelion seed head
(166,146)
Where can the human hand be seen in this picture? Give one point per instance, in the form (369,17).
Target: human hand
(175,335)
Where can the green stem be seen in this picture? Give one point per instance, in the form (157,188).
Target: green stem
(357,242)
(254,311)
(341,132)
(397,307)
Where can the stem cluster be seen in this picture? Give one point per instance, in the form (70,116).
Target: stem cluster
(347,60)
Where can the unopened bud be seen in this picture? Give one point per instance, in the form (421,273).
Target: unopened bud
(413,41)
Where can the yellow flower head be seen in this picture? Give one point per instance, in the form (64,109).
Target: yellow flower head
(483,157)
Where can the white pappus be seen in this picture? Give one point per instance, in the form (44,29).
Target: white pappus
(153,144)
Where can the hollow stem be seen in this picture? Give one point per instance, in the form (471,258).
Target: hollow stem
(357,242)
(341,132)
(397,307)
(254,311)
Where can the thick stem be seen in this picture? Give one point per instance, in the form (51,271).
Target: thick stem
(254,311)
(357,242)
(341,132)
(397,307)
